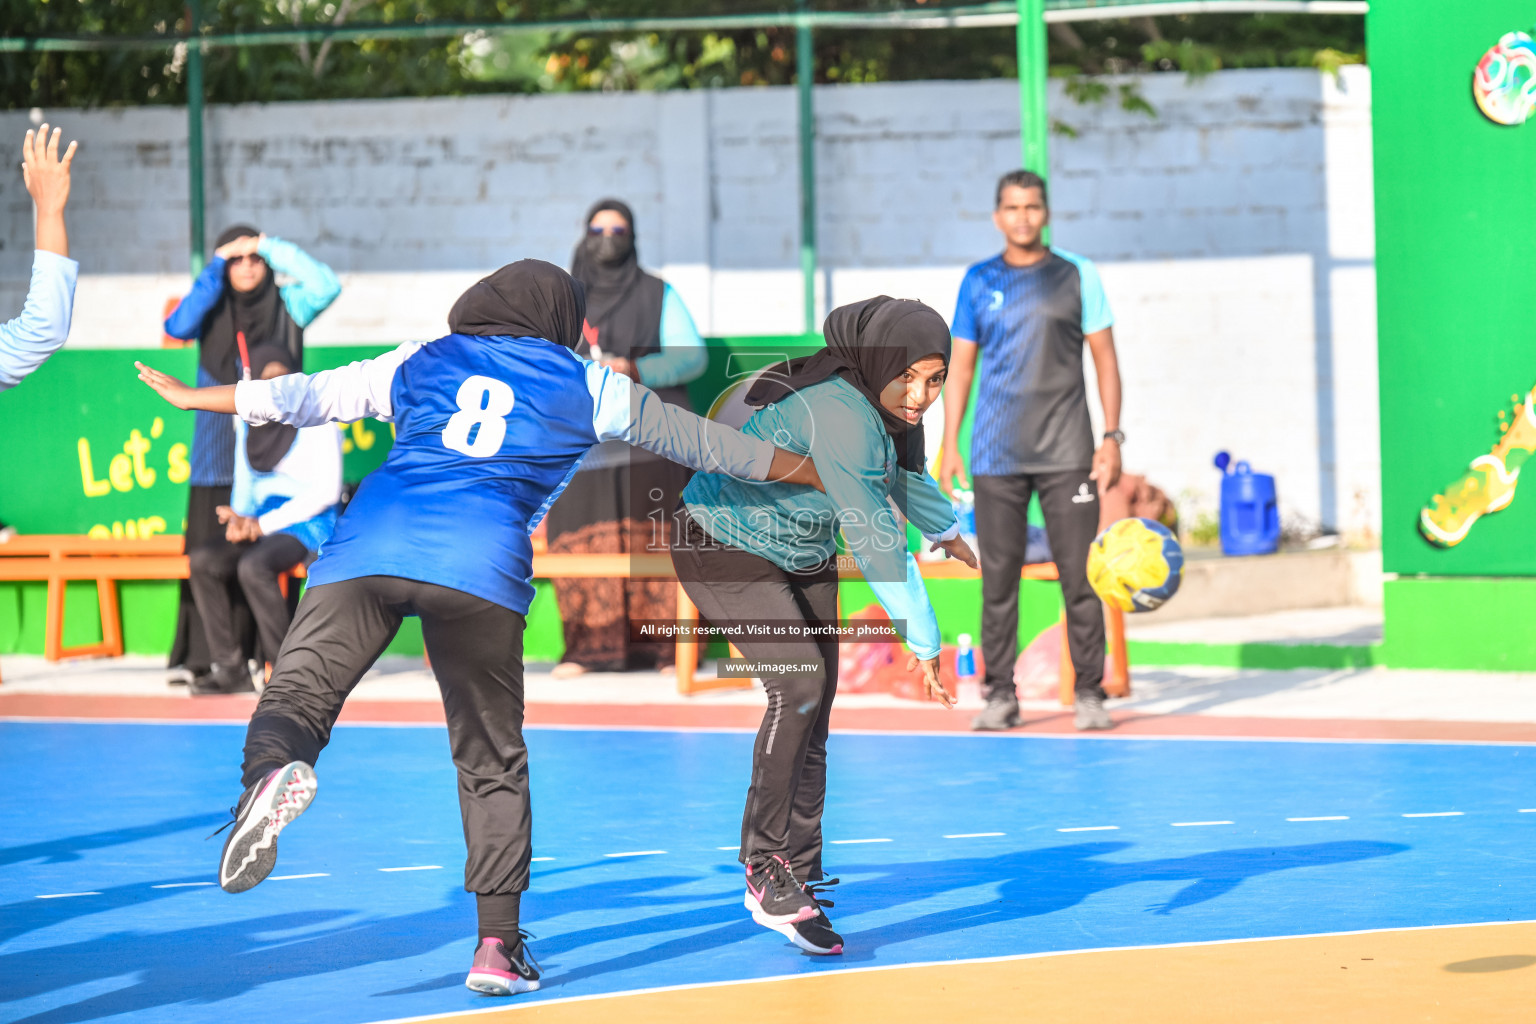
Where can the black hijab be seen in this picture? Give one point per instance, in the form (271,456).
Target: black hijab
(266,445)
(526,299)
(623,301)
(259,313)
(869,343)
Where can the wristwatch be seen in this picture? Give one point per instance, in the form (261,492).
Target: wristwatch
(1117,436)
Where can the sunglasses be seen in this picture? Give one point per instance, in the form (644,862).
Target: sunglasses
(615,229)
(249,257)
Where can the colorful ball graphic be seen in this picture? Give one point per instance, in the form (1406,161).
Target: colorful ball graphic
(1504,83)
(1135,565)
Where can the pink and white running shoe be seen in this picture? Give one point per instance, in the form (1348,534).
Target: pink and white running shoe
(499,971)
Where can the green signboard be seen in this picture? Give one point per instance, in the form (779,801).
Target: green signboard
(1454,263)
(89,449)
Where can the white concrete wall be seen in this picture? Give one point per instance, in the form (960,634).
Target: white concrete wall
(1234,230)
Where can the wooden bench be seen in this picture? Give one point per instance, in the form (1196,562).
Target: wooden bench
(61,558)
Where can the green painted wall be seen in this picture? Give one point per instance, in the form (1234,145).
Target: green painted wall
(1461,623)
(1454,259)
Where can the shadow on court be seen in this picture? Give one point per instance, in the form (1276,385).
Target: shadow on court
(1031,883)
(56,851)
(216,962)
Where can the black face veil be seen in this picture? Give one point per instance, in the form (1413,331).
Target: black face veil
(526,299)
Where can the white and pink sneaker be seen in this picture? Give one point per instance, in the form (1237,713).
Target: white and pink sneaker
(266,809)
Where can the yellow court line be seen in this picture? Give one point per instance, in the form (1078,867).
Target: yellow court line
(1475,973)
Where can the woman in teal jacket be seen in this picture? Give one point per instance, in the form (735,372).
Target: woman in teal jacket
(765,557)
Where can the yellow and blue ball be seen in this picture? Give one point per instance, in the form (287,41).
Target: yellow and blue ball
(1135,565)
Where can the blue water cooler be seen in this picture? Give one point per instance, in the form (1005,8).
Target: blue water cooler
(1250,516)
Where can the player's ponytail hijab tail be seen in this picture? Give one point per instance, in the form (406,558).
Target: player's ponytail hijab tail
(526,299)
(869,344)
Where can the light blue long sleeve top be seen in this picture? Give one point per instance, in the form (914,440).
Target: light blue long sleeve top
(313,288)
(796,527)
(28,340)
(682,357)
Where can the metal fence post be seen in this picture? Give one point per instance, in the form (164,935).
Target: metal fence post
(195,136)
(805,82)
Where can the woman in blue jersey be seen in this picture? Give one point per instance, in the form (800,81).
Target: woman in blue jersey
(768,555)
(490,422)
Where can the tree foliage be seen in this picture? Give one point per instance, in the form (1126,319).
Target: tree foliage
(569,61)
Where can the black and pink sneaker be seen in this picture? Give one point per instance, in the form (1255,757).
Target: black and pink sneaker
(773,895)
(264,810)
(814,936)
(499,971)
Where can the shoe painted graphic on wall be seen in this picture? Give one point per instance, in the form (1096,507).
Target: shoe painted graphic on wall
(1504,82)
(1488,484)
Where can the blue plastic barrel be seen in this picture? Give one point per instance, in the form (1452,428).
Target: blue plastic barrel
(1250,517)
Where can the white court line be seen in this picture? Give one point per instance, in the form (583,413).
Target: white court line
(1325,817)
(1009,958)
(418,867)
(975,835)
(65,895)
(945,734)
(180,885)
(728,847)
(1528,810)
(1436,814)
(850,842)
(289,878)
(635,853)
(1196,824)
(1091,828)
(538,859)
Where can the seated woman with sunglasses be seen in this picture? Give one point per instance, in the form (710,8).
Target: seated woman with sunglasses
(622,497)
(234,308)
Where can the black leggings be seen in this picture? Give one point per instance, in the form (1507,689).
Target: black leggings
(477,655)
(789,759)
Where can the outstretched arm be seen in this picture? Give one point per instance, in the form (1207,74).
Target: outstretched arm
(27,341)
(627,411)
(342,395)
(46,174)
(184,396)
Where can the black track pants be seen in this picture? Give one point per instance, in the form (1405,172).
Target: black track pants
(1071,507)
(257,566)
(477,654)
(789,759)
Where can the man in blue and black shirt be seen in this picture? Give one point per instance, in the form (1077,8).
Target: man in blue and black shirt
(1028,311)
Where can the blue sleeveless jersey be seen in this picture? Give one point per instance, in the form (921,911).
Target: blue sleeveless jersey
(487,430)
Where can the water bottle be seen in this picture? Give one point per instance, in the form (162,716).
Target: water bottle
(967,684)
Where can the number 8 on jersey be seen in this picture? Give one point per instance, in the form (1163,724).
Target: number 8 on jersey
(483,402)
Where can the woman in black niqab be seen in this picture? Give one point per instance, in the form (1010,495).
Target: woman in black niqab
(616,501)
